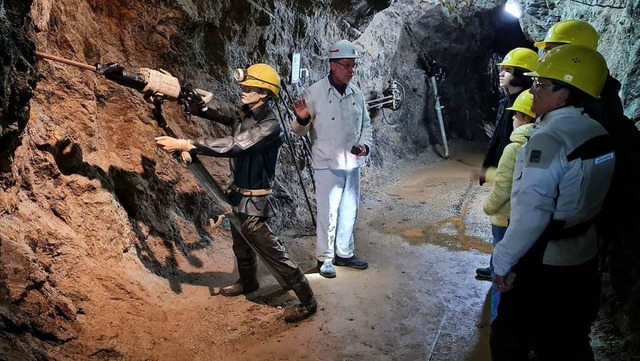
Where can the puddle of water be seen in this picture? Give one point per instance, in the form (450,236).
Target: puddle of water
(451,233)
(439,205)
(443,234)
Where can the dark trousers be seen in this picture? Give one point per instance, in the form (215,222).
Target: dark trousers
(550,310)
(259,238)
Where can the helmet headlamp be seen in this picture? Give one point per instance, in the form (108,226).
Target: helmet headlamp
(240,75)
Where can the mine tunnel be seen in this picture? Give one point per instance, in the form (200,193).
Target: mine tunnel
(112,248)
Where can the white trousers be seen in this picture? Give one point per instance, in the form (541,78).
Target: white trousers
(338,198)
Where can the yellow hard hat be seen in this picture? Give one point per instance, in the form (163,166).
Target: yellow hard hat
(576,32)
(262,76)
(524,58)
(578,66)
(523,104)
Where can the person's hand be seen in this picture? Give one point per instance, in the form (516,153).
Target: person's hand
(501,284)
(476,174)
(216,221)
(171,145)
(359,150)
(191,98)
(301,109)
(480,175)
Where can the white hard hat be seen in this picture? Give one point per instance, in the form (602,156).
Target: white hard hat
(343,49)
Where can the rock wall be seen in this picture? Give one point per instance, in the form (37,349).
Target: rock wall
(18,78)
(617,26)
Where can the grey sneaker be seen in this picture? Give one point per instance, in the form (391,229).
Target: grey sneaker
(326,269)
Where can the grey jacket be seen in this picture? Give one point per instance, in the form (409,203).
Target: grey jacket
(560,180)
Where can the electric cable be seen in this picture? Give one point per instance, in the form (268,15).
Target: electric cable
(306,142)
(386,120)
(294,155)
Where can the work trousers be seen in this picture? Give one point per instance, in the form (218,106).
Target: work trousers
(550,310)
(259,238)
(498,234)
(338,198)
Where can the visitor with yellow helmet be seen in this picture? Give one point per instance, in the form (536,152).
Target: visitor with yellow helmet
(571,31)
(253,148)
(513,83)
(546,266)
(608,111)
(261,76)
(497,205)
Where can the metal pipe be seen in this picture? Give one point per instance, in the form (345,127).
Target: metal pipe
(440,120)
(392,97)
(66,61)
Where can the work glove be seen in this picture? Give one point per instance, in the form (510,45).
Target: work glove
(111,70)
(171,145)
(191,99)
(186,158)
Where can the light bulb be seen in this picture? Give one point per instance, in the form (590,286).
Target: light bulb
(513,8)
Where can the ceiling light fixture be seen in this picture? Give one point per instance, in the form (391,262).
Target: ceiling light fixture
(513,8)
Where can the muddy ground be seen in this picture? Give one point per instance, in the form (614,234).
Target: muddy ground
(423,233)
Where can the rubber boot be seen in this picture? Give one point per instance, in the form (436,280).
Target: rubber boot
(247,283)
(307,305)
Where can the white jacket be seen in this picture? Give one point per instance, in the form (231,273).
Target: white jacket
(562,174)
(338,122)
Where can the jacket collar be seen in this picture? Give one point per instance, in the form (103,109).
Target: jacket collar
(260,112)
(558,113)
(329,85)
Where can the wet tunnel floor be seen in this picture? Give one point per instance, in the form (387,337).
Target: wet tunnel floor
(424,233)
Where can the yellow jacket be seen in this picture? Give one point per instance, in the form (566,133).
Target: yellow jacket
(497,205)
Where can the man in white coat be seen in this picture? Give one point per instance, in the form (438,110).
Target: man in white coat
(334,113)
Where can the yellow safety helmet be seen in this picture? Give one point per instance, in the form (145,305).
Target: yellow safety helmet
(262,76)
(523,104)
(523,58)
(579,66)
(576,32)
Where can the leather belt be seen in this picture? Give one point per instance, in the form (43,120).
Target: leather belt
(250,192)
